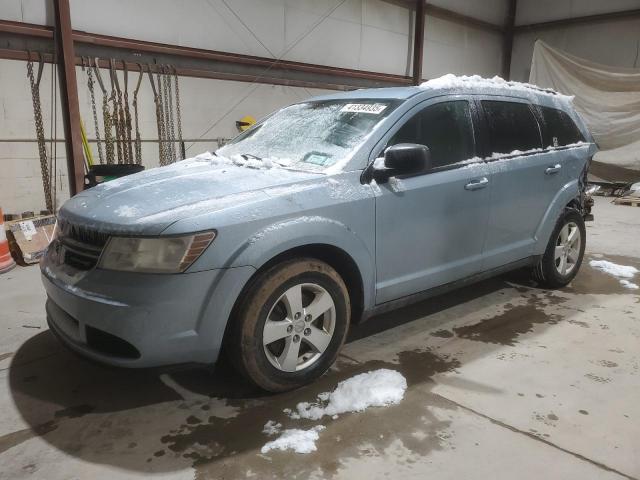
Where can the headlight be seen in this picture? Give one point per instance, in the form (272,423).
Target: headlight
(154,255)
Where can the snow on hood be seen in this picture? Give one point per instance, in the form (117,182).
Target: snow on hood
(151,200)
(476,81)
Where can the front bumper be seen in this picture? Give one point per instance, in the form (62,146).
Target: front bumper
(142,320)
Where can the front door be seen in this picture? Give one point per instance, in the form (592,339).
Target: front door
(430,228)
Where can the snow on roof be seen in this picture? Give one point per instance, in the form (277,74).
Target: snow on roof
(476,81)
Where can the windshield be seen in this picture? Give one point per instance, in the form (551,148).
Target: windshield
(312,135)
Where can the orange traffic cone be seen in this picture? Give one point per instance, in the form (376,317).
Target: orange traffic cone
(6,261)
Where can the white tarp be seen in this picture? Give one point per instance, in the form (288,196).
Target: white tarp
(608,98)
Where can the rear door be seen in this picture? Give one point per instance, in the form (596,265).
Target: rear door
(524,176)
(560,132)
(430,228)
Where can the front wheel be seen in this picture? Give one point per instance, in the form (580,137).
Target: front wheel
(291,324)
(565,250)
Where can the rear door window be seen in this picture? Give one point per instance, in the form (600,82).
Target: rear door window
(558,129)
(446,128)
(512,126)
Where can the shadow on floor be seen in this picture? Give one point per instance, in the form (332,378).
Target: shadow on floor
(174,418)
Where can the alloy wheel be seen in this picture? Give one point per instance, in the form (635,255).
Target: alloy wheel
(299,327)
(567,251)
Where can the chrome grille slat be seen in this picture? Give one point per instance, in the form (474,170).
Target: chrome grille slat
(82,234)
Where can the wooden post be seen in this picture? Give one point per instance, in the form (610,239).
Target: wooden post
(507,43)
(418,42)
(69,96)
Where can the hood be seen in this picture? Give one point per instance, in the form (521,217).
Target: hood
(150,201)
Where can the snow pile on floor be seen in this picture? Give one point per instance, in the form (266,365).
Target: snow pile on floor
(372,389)
(300,441)
(272,428)
(614,269)
(621,272)
(476,81)
(629,285)
(377,388)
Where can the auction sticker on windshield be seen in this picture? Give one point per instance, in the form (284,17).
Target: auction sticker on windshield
(374,108)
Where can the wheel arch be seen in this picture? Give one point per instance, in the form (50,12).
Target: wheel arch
(336,257)
(567,196)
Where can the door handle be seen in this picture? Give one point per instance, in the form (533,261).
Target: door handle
(477,184)
(553,169)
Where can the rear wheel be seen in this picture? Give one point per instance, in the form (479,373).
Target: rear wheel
(290,326)
(565,251)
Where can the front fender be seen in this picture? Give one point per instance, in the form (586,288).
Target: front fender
(288,234)
(565,195)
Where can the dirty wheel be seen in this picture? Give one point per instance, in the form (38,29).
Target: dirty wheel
(290,325)
(565,250)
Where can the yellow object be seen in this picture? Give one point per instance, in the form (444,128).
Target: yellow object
(245,122)
(85,145)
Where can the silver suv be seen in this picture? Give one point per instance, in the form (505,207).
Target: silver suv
(324,213)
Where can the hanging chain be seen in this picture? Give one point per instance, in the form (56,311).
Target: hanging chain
(127,114)
(106,116)
(172,134)
(113,98)
(178,114)
(167,120)
(138,142)
(164,157)
(93,108)
(156,100)
(122,127)
(37,113)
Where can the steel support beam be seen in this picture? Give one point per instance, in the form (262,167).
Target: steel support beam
(418,42)
(587,19)
(507,42)
(195,62)
(69,96)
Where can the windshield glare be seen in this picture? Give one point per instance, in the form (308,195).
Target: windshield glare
(312,135)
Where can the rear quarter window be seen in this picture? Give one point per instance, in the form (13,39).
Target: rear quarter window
(558,129)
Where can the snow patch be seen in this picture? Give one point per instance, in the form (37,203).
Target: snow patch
(272,428)
(476,81)
(237,160)
(300,441)
(126,211)
(620,271)
(377,388)
(629,285)
(396,184)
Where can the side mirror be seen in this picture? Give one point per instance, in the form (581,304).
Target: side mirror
(403,159)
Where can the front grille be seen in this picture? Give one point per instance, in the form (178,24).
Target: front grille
(82,246)
(82,234)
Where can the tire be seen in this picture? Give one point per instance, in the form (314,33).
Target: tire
(279,318)
(563,256)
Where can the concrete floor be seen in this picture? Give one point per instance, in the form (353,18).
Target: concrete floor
(505,381)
